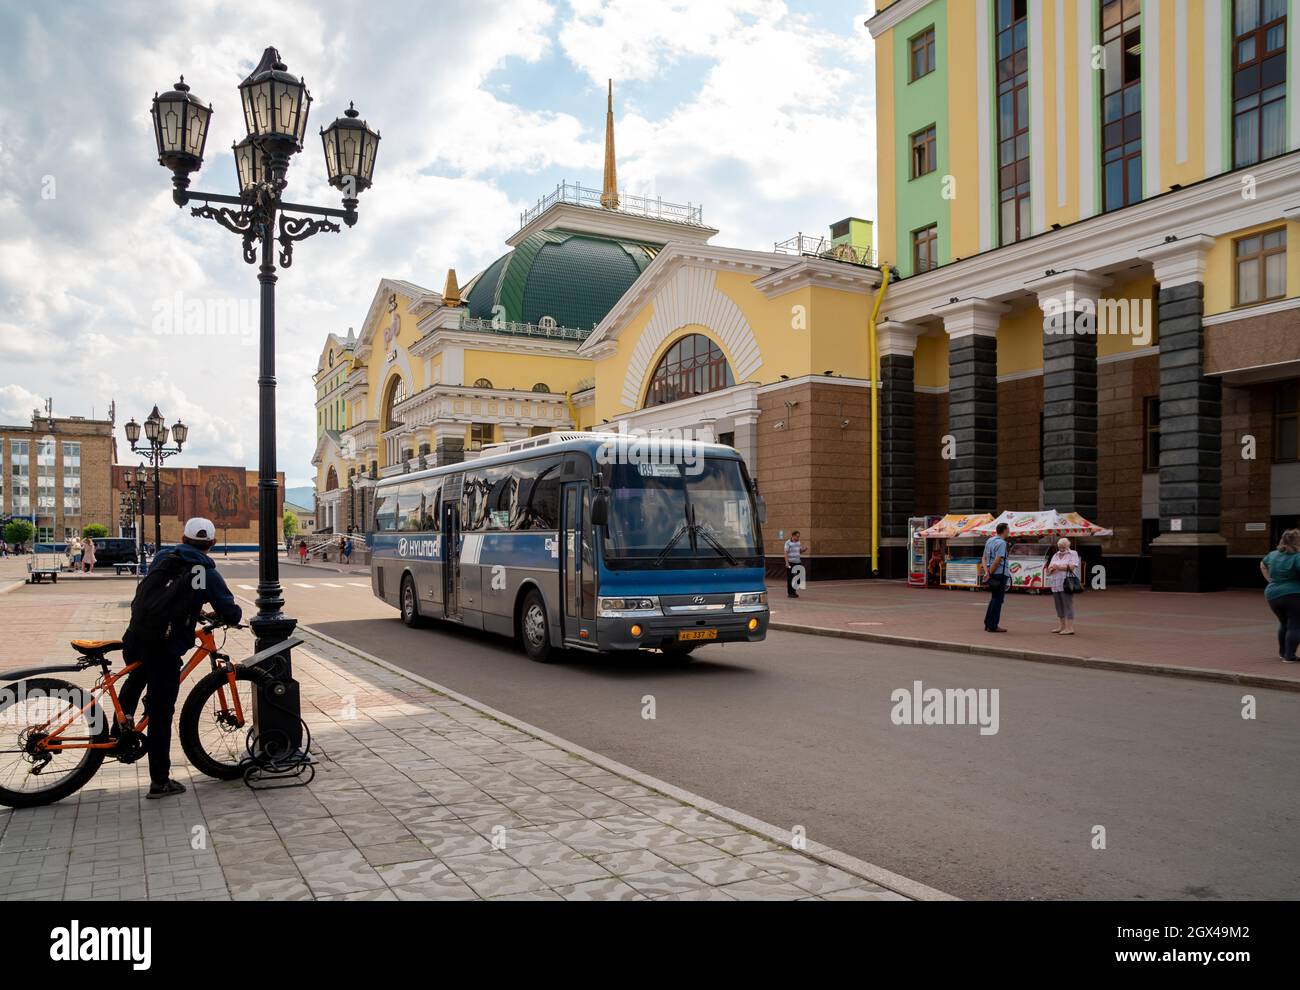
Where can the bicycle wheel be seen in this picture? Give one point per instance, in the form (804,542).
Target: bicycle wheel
(28,709)
(213,731)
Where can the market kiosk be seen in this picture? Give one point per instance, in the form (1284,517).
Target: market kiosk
(1032,537)
(950,541)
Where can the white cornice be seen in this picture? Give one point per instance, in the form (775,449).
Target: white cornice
(893,337)
(1108,241)
(814,380)
(819,272)
(967,317)
(893,15)
(1179,261)
(1250,312)
(1075,283)
(612,223)
(435,340)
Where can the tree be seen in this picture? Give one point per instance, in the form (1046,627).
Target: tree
(290,525)
(18,531)
(94,531)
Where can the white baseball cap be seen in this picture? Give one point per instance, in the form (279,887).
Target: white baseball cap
(199,528)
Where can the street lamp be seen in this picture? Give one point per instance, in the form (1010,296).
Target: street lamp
(156,450)
(275,106)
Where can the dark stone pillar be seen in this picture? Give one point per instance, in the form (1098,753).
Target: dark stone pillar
(973,423)
(1070,414)
(897,460)
(1190,554)
(450,450)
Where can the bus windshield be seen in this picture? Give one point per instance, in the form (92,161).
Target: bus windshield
(697,514)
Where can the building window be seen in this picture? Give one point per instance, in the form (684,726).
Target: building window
(925,249)
(1121,103)
(542,388)
(1151,433)
(20,492)
(1013,120)
(45,498)
(694,365)
(539,431)
(71,479)
(922,63)
(1260,266)
(924,159)
(482,383)
(1258,80)
(1286,421)
(480,434)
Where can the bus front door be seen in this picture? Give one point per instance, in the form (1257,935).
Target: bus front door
(451,559)
(578,567)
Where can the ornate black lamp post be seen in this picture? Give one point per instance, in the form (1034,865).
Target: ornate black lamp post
(275,105)
(156,450)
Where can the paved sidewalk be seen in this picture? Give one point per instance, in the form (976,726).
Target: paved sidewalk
(1227,635)
(417,796)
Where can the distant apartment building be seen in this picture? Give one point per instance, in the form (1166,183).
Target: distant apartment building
(57,474)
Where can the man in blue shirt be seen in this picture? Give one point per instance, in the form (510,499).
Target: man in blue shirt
(159,672)
(993,568)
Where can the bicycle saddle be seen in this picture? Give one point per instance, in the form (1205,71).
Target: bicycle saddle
(96,647)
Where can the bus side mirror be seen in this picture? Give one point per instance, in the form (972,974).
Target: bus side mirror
(600,509)
(762,509)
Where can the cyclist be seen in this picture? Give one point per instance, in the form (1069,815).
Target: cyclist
(160,669)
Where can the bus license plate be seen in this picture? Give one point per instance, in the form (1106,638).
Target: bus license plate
(689,634)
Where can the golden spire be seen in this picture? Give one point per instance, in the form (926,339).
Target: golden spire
(451,291)
(609,192)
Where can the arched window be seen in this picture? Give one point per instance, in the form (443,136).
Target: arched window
(541,387)
(395,395)
(482,383)
(331,480)
(694,365)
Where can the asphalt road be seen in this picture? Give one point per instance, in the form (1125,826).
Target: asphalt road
(1196,801)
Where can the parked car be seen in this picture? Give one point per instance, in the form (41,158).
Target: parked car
(111,551)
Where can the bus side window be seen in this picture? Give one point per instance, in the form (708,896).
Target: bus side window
(386,510)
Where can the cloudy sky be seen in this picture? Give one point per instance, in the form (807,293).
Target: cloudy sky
(762,110)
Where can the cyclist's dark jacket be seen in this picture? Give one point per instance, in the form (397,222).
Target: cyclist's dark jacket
(215,593)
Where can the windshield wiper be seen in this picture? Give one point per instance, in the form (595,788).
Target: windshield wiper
(682,529)
(706,531)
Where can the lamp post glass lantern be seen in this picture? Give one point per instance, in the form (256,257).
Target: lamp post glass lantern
(156,450)
(275,105)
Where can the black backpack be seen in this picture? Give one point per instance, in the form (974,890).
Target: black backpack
(161,610)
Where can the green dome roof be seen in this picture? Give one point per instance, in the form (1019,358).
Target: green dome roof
(573,278)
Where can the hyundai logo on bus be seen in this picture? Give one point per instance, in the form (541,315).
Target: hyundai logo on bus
(418,548)
(654,451)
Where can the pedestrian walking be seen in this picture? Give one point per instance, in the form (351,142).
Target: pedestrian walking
(302,551)
(1064,577)
(1281,569)
(88,556)
(993,569)
(794,551)
(76,550)
(347,551)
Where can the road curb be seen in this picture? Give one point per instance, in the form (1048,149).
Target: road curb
(814,850)
(12,587)
(1061,659)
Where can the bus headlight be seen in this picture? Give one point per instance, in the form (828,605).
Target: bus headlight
(750,601)
(617,608)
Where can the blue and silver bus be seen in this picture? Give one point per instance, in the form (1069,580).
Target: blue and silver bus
(586,541)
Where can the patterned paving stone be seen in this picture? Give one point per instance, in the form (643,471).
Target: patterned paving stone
(612,889)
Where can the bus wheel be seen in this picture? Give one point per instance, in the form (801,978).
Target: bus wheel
(410,604)
(535,630)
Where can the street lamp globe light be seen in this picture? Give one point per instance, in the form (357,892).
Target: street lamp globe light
(153,426)
(180,126)
(250,164)
(132,435)
(275,103)
(179,433)
(350,147)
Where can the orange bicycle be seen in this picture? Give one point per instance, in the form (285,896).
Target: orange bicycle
(54,735)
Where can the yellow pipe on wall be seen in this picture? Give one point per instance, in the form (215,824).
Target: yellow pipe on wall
(873,359)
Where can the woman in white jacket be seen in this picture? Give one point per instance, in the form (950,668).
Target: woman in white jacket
(1063,563)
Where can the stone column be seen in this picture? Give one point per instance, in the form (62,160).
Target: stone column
(1190,554)
(1069,304)
(449,442)
(746,429)
(896,348)
(972,327)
